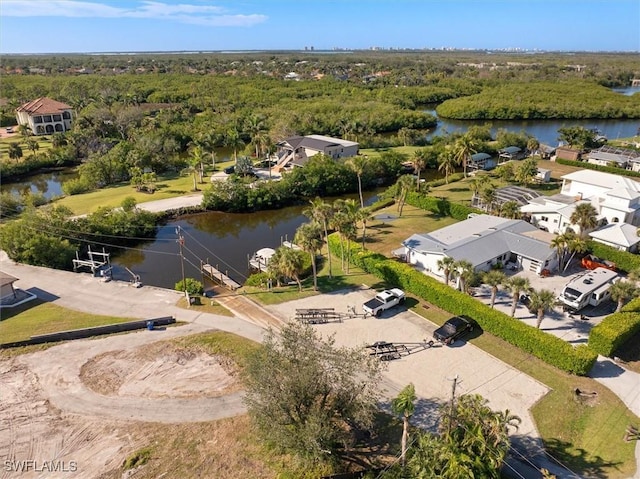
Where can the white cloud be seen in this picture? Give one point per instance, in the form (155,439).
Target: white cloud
(208,15)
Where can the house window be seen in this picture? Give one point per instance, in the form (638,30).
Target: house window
(57,118)
(555,221)
(544,218)
(37,119)
(615,219)
(59,127)
(47,118)
(66,115)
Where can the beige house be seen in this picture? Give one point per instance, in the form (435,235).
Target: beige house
(45,116)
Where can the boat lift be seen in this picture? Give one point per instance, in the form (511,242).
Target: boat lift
(387,351)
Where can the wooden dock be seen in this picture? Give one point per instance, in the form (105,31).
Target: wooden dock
(218,276)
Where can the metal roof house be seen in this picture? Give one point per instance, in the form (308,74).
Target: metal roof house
(482,161)
(45,116)
(609,156)
(297,150)
(483,240)
(621,236)
(509,153)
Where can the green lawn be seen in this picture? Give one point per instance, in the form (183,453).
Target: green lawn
(44,144)
(37,317)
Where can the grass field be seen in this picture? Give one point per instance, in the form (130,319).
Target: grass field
(38,317)
(44,143)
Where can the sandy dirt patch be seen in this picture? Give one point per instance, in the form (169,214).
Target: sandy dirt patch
(159,371)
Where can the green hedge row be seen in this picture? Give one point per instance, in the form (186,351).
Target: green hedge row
(553,350)
(604,169)
(614,330)
(624,260)
(440,206)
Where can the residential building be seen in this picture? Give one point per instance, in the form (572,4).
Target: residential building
(486,242)
(45,116)
(509,153)
(567,153)
(609,156)
(615,198)
(297,150)
(621,236)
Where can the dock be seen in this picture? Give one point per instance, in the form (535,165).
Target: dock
(218,276)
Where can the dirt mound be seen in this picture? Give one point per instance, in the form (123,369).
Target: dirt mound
(160,370)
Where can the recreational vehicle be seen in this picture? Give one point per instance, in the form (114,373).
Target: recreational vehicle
(588,289)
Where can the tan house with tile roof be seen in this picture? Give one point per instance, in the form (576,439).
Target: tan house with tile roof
(45,116)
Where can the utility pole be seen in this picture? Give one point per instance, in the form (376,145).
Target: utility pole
(181,243)
(453,401)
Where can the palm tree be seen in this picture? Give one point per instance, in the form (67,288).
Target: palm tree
(495,279)
(233,140)
(405,184)
(25,131)
(419,163)
(339,221)
(58,140)
(465,271)
(542,301)
(309,237)
(447,164)
(621,291)
(291,263)
(358,165)
(404,404)
(322,213)
(584,216)
(533,145)
(576,245)
(561,244)
(15,151)
(488,196)
(463,148)
(517,284)
(510,209)
(446,264)
(255,126)
(634,275)
(349,231)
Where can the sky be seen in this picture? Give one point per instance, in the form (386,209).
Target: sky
(66,26)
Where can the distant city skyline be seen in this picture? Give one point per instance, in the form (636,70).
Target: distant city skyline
(87,26)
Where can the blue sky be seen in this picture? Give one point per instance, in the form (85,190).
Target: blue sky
(36,26)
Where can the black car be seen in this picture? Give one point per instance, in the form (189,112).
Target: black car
(229,170)
(453,329)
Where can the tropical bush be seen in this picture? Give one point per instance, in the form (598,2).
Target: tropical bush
(605,338)
(440,206)
(192,286)
(605,169)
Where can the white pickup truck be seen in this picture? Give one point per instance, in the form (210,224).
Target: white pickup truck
(383,300)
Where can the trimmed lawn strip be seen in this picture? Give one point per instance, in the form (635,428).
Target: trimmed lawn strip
(207,305)
(38,317)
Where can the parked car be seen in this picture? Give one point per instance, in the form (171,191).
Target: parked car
(525,300)
(230,170)
(383,300)
(453,329)
(9,129)
(592,262)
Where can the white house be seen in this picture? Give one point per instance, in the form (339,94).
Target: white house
(609,156)
(45,116)
(298,149)
(485,241)
(621,236)
(615,198)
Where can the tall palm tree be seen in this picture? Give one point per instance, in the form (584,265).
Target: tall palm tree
(465,271)
(533,145)
(446,264)
(621,291)
(358,165)
(255,126)
(584,216)
(495,279)
(542,301)
(447,163)
(419,161)
(405,184)
(463,148)
(488,196)
(517,285)
(404,404)
(349,230)
(233,140)
(291,263)
(575,246)
(309,237)
(322,212)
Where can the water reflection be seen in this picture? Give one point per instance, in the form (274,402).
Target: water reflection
(225,240)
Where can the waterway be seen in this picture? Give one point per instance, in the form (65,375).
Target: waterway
(225,240)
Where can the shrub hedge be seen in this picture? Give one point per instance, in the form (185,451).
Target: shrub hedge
(550,349)
(605,169)
(624,260)
(614,330)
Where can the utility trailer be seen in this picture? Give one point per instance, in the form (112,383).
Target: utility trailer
(387,351)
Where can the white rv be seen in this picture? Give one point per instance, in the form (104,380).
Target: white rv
(589,289)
